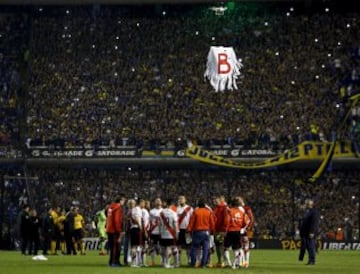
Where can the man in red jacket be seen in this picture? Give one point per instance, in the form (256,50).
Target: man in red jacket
(201,224)
(114,230)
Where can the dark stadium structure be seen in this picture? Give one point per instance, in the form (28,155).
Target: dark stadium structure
(103,99)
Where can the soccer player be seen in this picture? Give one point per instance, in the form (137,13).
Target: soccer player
(78,231)
(234,222)
(169,234)
(309,226)
(100,222)
(184,212)
(148,205)
(249,223)
(55,237)
(60,226)
(220,214)
(114,227)
(145,224)
(135,214)
(201,224)
(154,230)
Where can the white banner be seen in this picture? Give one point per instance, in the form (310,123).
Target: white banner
(223,68)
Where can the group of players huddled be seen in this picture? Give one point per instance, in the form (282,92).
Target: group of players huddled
(140,231)
(167,228)
(58,229)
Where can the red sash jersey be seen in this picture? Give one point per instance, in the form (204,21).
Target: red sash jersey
(114,218)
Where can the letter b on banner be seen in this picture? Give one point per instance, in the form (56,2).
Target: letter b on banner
(224,66)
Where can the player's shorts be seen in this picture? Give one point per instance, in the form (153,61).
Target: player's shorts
(155,239)
(56,234)
(167,242)
(182,239)
(136,236)
(244,238)
(219,238)
(78,234)
(232,239)
(102,233)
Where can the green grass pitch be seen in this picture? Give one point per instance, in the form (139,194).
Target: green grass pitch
(262,261)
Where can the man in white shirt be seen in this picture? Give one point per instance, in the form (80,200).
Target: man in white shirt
(135,220)
(169,232)
(145,222)
(184,212)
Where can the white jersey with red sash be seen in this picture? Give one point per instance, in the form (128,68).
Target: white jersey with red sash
(155,220)
(184,213)
(168,224)
(135,217)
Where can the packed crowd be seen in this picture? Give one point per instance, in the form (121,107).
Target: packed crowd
(12,41)
(105,75)
(98,75)
(276,197)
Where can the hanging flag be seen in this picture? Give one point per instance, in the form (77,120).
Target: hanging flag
(223,68)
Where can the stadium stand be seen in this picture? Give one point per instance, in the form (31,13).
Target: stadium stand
(105,75)
(12,41)
(133,76)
